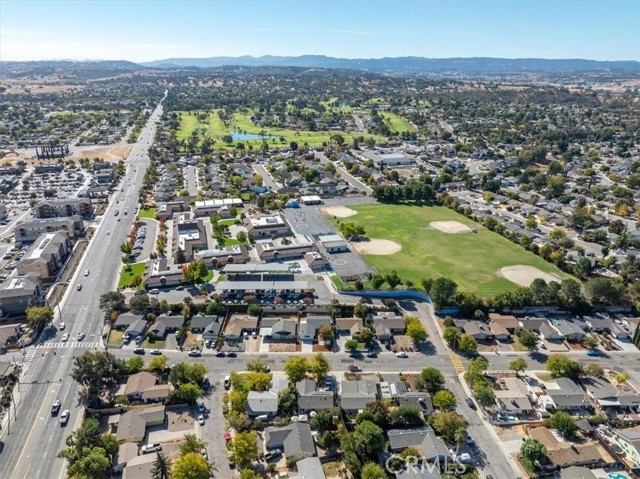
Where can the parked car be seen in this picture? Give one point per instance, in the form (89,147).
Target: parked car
(231,354)
(150,448)
(62,326)
(227,382)
(220,354)
(353,368)
(402,354)
(593,352)
(154,291)
(201,419)
(138,351)
(155,352)
(79,287)
(195,353)
(139,339)
(272,454)
(470,403)
(227,436)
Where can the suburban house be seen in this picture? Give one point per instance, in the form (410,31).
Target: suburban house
(135,329)
(629,440)
(608,396)
(568,397)
(386,328)
(126,452)
(262,403)
(18,292)
(561,454)
(132,425)
(125,320)
(294,440)
(570,330)
(311,399)
(267,226)
(420,399)
(237,325)
(309,326)
(576,472)
(168,209)
(355,395)
(209,326)
(424,439)
(549,333)
(158,274)
(279,329)
(351,327)
(499,332)
(509,322)
(598,324)
(476,329)
(533,324)
(310,468)
(166,324)
(137,384)
(513,397)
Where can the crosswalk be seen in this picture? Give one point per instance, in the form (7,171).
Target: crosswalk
(31,352)
(69,344)
(457,362)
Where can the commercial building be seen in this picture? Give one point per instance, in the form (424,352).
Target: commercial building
(386,159)
(220,207)
(158,274)
(189,235)
(272,251)
(267,226)
(29,231)
(220,258)
(64,207)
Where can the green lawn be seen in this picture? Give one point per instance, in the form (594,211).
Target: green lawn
(127,276)
(473,260)
(215,128)
(229,222)
(147,213)
(233,242)
(396,122)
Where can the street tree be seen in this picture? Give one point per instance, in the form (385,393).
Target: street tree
(112,301)
(319,366)
(432,379)
(296,368)
(560,366)
(244,448)
(416,331)
(191,444)
(191,466)
(444,400)
(39,317)
(97,373)
(157,364)
(518,365)
(452,336)
(351,345)
(467,344)
(446,424)
(366,336)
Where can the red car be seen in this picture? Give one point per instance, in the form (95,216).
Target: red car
(227,436)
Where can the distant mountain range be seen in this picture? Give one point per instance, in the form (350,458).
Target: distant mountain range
(405,64)
(89,68)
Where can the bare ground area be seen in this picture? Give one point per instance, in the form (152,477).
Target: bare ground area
(106,153)
(523,275)
(376,246)
(338,211)
(453,227)
(284,348)
(403,343)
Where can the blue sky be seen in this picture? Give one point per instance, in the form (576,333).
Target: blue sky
(139,30)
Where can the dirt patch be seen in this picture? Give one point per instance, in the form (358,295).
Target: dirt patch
(284,348)
(192,341)
(321,348)
(453,227)
(378,247)
(403,343)
(105,153)
(338,211)
(524,275)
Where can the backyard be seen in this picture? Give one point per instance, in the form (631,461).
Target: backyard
(471,259)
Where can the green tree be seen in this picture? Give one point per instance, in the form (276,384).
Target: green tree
(241,236)
(244,448)
(191,444)
(467,344)
(371,470)
(442,291)
(296,368)
(238,400)
(157,364)
(564,424)
(416,331)
(254,310)
(351,345)
(432,379)
(134,364)
(139,303)
(368,439)
(257,365)
(452,336)
(518,365)
(446,424)
(39,317)
(287,400)
(180,256)
(366,336)
(319,366)
(527,338)
(593,371)
(560,366)
(112,301)
(484,395)
(161,467)
(185,393)
(444,400)
(325,333)
(377,412)
(360,310)
(322,421)
(405,416)
(590,342)
(248,474)
(184,372)
(191,466)
(93,463)
(96,373)
(534,451)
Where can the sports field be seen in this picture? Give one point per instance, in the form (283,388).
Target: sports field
(215,128)
(396,122)
(473,260)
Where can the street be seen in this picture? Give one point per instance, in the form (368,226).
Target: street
(34,433)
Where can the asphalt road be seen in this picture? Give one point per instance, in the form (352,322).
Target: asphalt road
(35,437)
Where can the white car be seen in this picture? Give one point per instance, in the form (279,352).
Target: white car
(150,448)
(65,337)
(86,272)
(201,419)
(402,354)
(62,326)
(64,417)
(81,336)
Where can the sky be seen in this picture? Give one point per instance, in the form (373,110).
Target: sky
(145,30)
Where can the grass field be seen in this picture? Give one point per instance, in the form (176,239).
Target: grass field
(471,259)
(147,213)
(127,276)
(396,122)
(215,128)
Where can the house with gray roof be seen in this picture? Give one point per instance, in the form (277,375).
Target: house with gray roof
(355,395)
(477,330)
(132,424)
(549,333)
(576,472)
(284,330)
(294,440)
(606,395)
(207,325)
(262,403)
(309,468)
(532,324)
(423,438)
(570,330)
(568,397)
(598,324)
(166,324)
(420,399)
(137,328)
(309,326)
(419,473)
(310,399)
(126,319)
